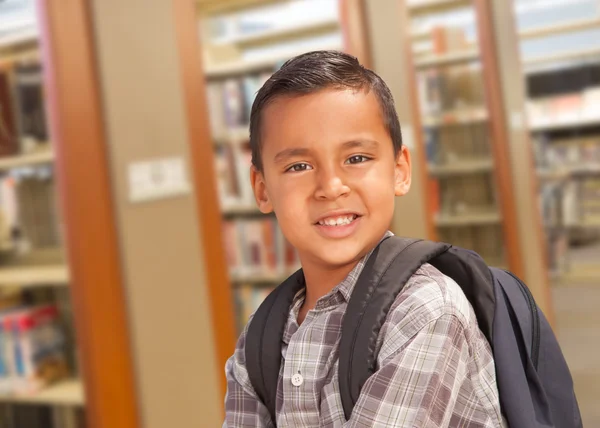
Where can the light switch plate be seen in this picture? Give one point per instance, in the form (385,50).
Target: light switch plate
(157,179)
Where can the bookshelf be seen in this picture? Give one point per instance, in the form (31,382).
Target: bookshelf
(462,167)
(25,160)
(447,59)
(465,155)
(68,392)
(236,62)
(61,251)
(465,127)
(431,6)
(564,120)
(33,269)
(35,276)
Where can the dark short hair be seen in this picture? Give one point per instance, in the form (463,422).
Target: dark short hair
(313,71)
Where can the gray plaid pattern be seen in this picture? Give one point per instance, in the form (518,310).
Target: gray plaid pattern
(435,367)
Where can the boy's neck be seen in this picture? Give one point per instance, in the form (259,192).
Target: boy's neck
(320,280)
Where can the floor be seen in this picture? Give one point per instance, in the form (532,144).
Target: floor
(577,310)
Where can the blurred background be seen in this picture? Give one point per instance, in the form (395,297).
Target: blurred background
(131,250)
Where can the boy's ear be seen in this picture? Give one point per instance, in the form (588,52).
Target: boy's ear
(260,190)
(402,172)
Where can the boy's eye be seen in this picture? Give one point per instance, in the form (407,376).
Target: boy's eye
(357,159)
(298,167)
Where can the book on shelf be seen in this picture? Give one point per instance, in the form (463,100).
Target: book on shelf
(41,416)
(453,143)
(248,297)
(230,101)
(590,201)
(564,95)
(560,109)
(32,349)
(486,240)
(23,122)
(8,129)
(28,210)
(450,87)
(257,248)
(568,153)
(30,100)
(233,164)
(557,247)
(446,39)
(563,80)
(464,194)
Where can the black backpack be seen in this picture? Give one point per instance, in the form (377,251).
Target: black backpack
(534,382)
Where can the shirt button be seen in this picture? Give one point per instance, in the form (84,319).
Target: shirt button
(297,380)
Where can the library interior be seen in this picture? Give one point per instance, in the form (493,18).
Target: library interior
(132,251)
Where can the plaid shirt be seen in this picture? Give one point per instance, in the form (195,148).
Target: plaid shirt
(435,367)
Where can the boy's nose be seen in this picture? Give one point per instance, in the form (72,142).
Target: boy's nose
(331,187)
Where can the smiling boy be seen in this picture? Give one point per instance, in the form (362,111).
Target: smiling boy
(328,160)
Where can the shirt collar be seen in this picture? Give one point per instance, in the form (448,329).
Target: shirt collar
(346,287)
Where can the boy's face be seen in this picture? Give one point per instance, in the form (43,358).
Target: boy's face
(330,174)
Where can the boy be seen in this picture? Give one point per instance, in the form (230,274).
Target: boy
(328,159)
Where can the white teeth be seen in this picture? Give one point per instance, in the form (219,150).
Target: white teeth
(338,221)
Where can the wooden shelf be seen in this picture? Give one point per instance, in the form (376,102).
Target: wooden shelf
(245,66)
(457,116)
(429,6)
(567,27)
(447,59)
(241,209)
(561,57)
(470,219)
(537,32)
(585,169)
(272,35)
(34,276)
(230,6)
(584,225)
(27,35)
(31,159)
(549,174)
(558,125)
(462,167)
(267,278)
(233,136)
(64,393)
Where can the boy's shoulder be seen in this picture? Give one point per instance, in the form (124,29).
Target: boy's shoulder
(428,296)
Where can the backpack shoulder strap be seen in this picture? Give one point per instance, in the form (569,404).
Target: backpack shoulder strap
(264,337)
(473,276)
(388,268)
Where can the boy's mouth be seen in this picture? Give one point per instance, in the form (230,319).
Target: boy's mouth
(338,225)
(338,220)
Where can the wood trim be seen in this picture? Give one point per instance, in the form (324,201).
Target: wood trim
(355,31)
(507,37)
(202,156)
(76,124)
(500,144)
(418,125)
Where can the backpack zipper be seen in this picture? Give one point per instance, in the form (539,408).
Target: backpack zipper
(535,340)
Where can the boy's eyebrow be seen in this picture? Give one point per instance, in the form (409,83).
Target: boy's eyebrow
(354,144)
(301,151)
(289,153)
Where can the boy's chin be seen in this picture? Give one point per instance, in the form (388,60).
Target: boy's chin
(339,255)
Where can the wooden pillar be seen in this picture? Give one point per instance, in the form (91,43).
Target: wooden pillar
(82,167)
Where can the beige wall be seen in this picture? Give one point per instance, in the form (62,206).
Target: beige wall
(387,24)
(176,369)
